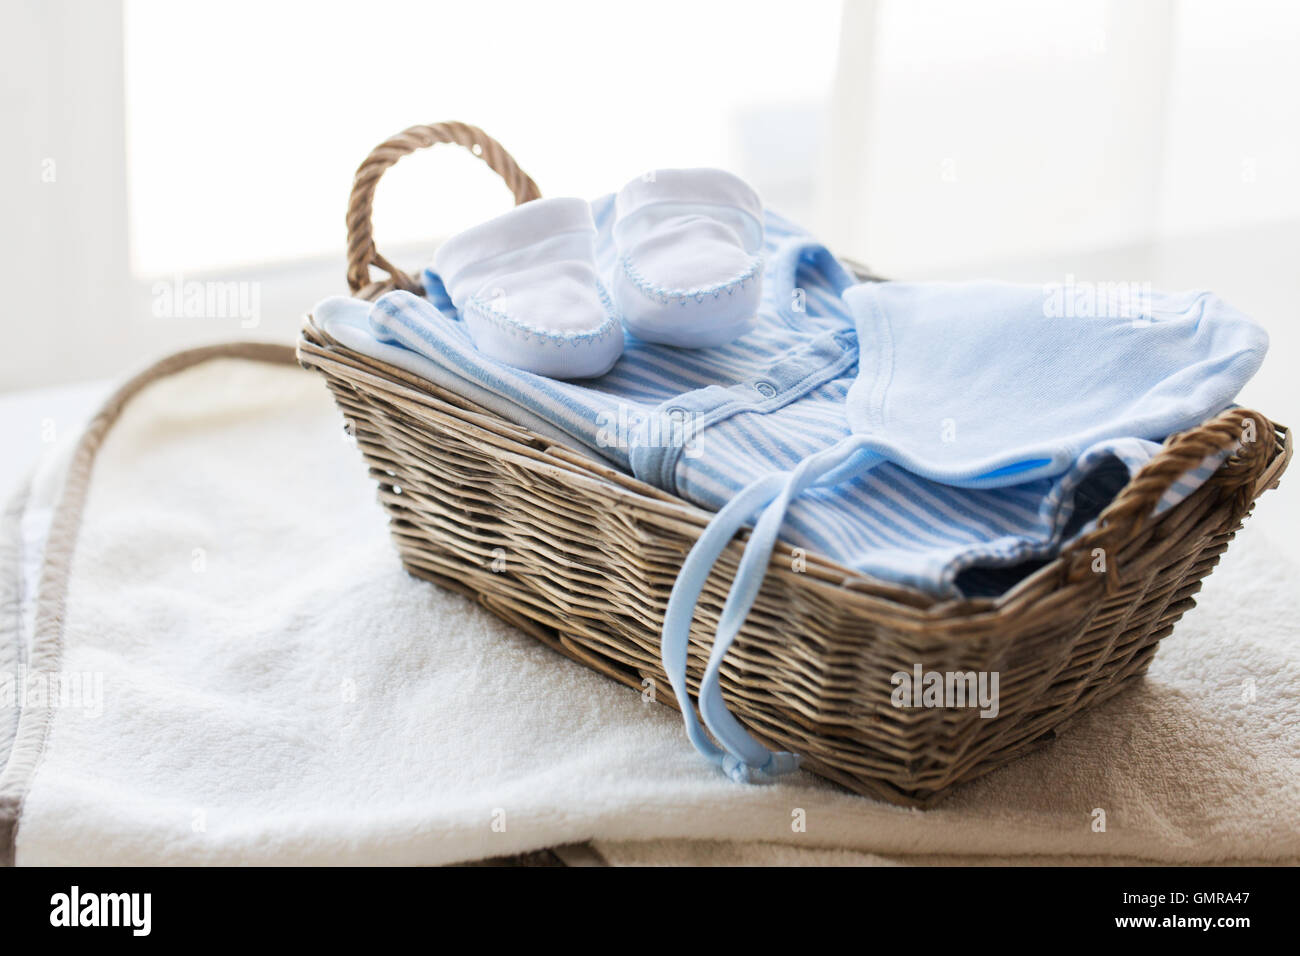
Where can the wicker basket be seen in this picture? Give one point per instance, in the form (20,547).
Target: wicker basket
(584,557)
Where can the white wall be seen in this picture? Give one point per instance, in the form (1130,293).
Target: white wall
(63,242)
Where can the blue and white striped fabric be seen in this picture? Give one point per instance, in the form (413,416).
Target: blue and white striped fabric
(778,429)
(704,424)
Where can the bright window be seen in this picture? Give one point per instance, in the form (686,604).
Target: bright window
(246,119)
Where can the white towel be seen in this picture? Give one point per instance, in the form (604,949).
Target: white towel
(276,689)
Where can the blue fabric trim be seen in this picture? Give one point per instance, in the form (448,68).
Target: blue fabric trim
(517,327)
(664,295)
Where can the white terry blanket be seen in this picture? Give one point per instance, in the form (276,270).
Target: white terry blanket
(276,689)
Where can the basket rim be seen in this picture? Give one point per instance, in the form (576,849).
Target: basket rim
(421,398)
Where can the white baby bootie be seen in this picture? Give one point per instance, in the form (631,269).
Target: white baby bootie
(526,286)
(689,271)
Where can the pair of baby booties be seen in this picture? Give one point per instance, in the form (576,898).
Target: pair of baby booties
(689,273)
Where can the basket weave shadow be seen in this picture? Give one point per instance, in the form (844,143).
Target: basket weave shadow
(584,557)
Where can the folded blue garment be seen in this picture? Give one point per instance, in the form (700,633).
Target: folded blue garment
(974,385)
(945,437)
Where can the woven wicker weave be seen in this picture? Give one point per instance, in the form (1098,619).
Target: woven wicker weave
(584,557)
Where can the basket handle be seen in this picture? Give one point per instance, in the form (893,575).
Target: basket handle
(1255,440)
(362,253)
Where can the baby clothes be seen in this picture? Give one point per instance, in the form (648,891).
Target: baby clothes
(689,271)
(526,285)
(974,385)
(706,424)
(945,437)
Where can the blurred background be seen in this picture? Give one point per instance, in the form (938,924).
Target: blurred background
(148,145)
